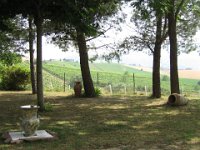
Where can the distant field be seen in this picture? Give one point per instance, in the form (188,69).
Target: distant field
(117,75)
(189,74)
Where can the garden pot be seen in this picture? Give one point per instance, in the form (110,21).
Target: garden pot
(29,119)
(77,88)
(177,100)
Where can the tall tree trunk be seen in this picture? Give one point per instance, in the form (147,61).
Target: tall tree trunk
(40,96)
(156,60)
(85,70)
(174,79)
(32,68)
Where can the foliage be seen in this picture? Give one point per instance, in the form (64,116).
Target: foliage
(165,78)
(10,58)
(144,19)
(2,67)
(15,78)
(14,37)
(97,92)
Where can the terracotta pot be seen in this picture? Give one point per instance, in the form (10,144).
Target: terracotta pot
(177,100)
(77,88)
(29,120)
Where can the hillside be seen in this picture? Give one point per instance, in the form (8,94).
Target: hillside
(101,67)
(119,76)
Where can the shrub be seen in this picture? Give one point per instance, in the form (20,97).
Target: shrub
(165,78)
(97,92)
(15,78)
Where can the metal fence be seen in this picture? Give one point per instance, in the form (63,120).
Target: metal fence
(124,84)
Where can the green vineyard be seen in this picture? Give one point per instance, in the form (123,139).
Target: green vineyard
(123,79)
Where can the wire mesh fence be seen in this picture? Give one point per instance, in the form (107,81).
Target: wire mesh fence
(57,79)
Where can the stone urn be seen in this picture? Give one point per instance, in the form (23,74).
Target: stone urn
(77,88)
(29,119)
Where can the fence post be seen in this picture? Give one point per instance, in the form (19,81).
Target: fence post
(145,87)
(110,86)
(64,81)
(97,78)
(133,83)
(51,85)
(125,91)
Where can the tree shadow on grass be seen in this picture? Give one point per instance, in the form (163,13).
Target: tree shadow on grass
(106,122)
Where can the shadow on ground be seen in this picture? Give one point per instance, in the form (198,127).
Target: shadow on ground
(135,122)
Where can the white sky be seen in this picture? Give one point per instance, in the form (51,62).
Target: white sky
(191,60)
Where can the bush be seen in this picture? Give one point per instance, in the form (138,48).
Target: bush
(2,68)
(97,92)
(15,78)
(165,78)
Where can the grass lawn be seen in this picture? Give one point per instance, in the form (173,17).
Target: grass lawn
(106,123)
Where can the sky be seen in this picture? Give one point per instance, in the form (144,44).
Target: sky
(191,60)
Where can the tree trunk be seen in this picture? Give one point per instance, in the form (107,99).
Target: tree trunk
(174,80)
(32,68)
(85,70)
(156,60)
(40,96)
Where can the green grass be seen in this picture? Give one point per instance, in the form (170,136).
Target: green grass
(106,123)
(105,74)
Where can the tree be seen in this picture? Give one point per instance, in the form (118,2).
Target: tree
(81,22)
(38,19)
(40,10)
(85,70)
(10,58)
(172,17)
(31,51)
(18,25)
(151,31)
(12,40)
(152,27)
(177,12)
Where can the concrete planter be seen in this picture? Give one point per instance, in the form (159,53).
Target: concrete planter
(29,120)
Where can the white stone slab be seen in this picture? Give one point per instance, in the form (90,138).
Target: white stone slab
(40,134)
